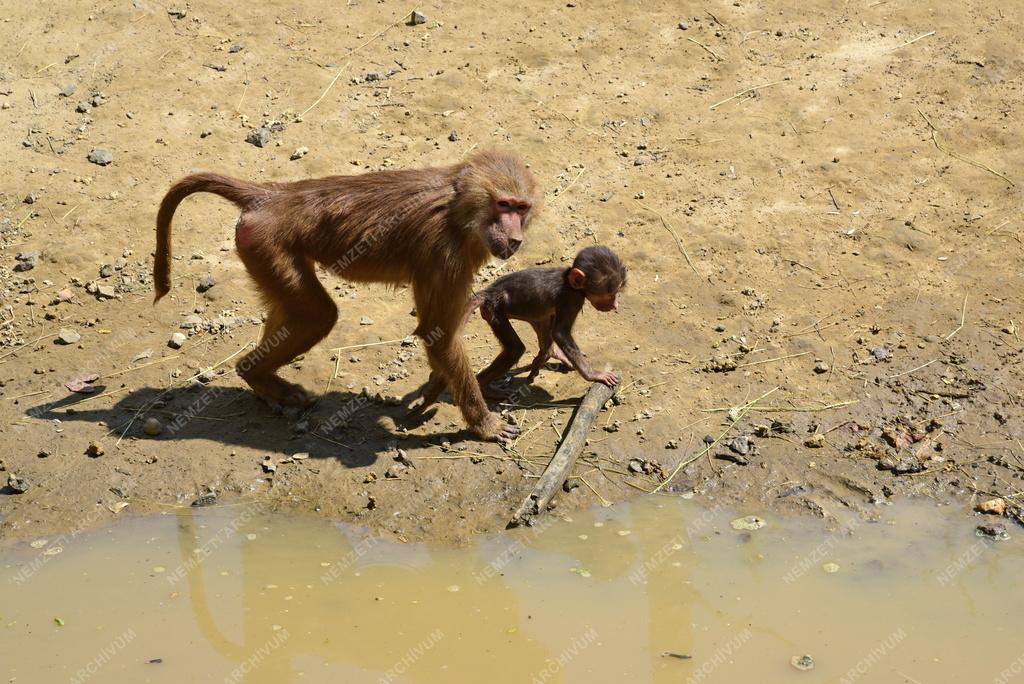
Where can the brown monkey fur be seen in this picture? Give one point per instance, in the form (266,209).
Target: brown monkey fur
(432,228)
(549,299)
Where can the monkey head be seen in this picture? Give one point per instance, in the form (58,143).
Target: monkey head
(600,274)
(496,196)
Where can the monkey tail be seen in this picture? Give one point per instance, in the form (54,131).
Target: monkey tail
(240,192)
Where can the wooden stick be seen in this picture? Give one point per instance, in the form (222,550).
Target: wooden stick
(565,457)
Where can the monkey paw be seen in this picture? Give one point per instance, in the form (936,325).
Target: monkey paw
(274,390)
(495,429)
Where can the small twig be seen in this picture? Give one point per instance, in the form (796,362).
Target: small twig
(953,154)
(604,502)
(963,315)
(38,339)
(782,409)
(351,52)
(368,344)
(672,231)
(710,51)
(908,372)
(777,358)
(834,203)
(912,40)
(561,192)
(743,410)
(744,92)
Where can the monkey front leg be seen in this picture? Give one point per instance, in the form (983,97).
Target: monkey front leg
(579,360)
(439,326)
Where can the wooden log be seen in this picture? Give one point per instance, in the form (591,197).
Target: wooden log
(561,464)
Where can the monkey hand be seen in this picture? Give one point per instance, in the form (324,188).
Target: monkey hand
(495,429)
(607,377)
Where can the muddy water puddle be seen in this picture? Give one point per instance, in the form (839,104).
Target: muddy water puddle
(655,591)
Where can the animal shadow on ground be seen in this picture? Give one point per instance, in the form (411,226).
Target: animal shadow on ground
(352,427)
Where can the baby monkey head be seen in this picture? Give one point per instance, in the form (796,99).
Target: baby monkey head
(600,274)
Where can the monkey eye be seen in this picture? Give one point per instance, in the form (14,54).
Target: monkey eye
(503,204)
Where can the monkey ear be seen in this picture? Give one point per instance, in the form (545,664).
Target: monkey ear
(577,278)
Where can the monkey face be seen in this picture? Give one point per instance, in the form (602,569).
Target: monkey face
(504,233)
(608,301)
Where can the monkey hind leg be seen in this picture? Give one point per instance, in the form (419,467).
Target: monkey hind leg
(301,314)
(430,393)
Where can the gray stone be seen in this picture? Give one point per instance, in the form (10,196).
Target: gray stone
(259,137)
(176,341)
(68,336)
(101,156)
(105,292)
(68,90)
(416,18)
(83,108)
(26,261)
(206,283)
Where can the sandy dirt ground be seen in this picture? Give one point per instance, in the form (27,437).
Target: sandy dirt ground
(819,203)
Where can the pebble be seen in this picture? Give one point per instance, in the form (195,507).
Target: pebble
(750,522)
(101,156)
(176,341)
(804,662)
(417,18)
(994,506)
(741,445)
(106,292)
(206,500)
(68,336)
(26,261)
(683,26)
(821,367)
(932,339)
(83,108)
(29,199)
(68,90)
(258,137)
(453,136)
(16,484)
(881,353)
(106,270)
(235,48)
(177,12)
(206,283)
(365,320)
(94,450)
(299,153)
(152,427)
(191,321)
(206,133)
(996,531)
